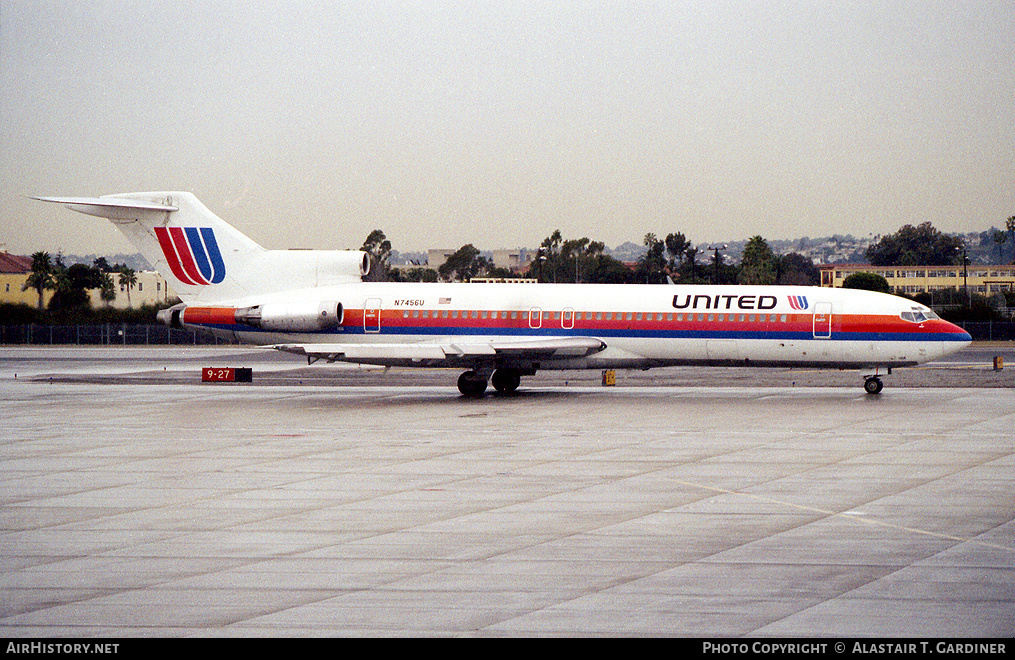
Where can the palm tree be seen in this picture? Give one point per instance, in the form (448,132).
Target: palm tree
(676,247)
(42,276)
(107,290)
(1010,224)
(128,278)
(1000,239)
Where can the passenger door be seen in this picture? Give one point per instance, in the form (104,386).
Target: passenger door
(372,315)
(822,320)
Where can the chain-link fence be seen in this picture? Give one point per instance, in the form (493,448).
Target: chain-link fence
(104,334)
(989,330)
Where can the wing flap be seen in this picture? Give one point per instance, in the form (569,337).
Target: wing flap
(366,351)
(550,347)
(536,348)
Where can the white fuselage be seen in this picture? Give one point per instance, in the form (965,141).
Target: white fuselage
(641,326)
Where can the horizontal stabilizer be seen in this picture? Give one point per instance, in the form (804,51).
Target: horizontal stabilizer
(113,208)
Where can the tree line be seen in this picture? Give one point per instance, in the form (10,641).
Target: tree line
(582,260)
(673,258)
(676,259)
(70,286)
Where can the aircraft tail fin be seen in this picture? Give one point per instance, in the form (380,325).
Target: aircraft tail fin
(204,258)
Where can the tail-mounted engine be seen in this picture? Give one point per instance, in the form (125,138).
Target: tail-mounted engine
(292,316)
(309,316)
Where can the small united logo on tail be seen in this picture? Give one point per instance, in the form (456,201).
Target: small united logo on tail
(798,302)
(192,254)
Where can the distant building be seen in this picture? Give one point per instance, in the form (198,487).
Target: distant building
(151,289)
(504,280)
(516,261)
(14,271)
(437,258)
(982,279)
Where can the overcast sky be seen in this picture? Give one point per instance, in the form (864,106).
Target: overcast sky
(308,124)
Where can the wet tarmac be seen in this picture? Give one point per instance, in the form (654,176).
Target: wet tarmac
(331,500)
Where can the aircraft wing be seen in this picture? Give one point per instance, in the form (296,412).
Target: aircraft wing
(555,347)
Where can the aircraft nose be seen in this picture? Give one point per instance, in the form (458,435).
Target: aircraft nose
(960,333)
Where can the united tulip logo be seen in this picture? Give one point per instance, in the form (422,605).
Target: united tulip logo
(192,254)
(798,302)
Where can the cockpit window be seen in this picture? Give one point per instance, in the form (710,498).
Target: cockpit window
(918,315)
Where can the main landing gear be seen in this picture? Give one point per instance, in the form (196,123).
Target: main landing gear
(473,383)
(872,383)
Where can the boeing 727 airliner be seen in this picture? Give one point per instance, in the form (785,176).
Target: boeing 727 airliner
(315,303)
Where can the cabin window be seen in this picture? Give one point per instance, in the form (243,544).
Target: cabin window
(482,314)
(630,316)
(454,314)
(669,317)
(415,313)
(782,319)
(599,316)
(680,317)
(444,314)
(722,317)
(405,314)
(740,318)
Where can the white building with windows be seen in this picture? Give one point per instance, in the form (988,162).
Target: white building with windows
(981,279)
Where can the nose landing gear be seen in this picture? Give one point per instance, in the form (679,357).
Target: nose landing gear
(872,382)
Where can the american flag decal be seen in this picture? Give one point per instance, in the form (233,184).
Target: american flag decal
(798,302)
(444,301)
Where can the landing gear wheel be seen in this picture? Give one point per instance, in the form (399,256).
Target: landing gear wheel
(506,380)
(873,385)
(471,384)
